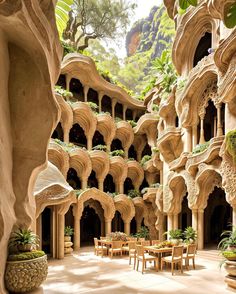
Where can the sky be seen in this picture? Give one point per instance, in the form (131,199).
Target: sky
(142,11)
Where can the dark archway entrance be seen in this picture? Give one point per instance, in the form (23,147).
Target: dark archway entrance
(117,223)
(217,217)
(90,224)
(185,217)
(46,230)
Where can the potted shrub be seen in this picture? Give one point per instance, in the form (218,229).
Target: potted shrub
(117,236)
(23,240)
(69,231)
(175,236)
(228,244)
(143,233)
(26,267)
(190,235)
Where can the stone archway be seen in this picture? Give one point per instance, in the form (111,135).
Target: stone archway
(105,201)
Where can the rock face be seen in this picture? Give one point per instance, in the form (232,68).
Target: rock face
(30,60)
(144,35)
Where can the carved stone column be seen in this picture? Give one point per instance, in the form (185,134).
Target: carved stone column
(76,228)
(86,89)
(113,105)
(169,222)
(39,230)
(175,221)
(194,136)
(189,139)
(68,79)
(138,225)
(100,96)
(234,215)
(194,219)
(89,143)
(84,183)
(124,112)
(108,226)
(219,124)
(127,227)
(202,136)
(100,184)
(60,232)
(200,228)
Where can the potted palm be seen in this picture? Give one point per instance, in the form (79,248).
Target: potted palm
(228,244)
(175,236)
(190,235)
(26,267)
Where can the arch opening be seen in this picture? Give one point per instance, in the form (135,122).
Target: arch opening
(92,180)
(106,104)
(185,216)
(92,96)
(109,185)
(132,152)
(117,223)
(77,136)
(204,44)
(128,185)
(46,231)
(217,217)
(98,139)
(116,145)
(73,179)
(77,89)
(58,132)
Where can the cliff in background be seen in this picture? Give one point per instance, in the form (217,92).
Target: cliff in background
(146,34)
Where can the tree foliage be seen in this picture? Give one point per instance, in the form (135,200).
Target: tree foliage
(97,19)
(62,9)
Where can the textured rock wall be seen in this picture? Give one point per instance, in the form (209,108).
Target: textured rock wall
(30,57)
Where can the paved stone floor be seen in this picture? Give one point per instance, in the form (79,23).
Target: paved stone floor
(85,273)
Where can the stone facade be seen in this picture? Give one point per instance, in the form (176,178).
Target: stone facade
(184,187)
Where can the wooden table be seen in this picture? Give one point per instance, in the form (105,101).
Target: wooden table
(108,243)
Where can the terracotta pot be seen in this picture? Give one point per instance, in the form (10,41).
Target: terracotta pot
(26,275)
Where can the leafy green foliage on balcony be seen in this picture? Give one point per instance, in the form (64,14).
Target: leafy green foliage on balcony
(200,147)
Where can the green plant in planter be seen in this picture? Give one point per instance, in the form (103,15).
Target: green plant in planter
(93,106)
(26,255)
(231,144)
(117,153)
(145,159)
(190,235)
(175,234)
(64,93)
(142,233)
(100,147)
(69,231)
(134,193)
(229,240)
(24,240)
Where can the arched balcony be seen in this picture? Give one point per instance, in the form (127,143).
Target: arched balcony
(77,136)
(77,89)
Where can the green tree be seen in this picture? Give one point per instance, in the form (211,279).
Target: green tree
(97,19)
(61,10)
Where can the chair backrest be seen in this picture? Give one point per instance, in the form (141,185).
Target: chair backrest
(103,238)
(191,249)
(116,244)
(139,250)
(177,252)
(131,245)
(141,239)
(132,239)
(145,243)
(95,241)
(156,242)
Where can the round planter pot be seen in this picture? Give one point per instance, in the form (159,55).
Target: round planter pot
(230,267)
(67,238)
(25,275)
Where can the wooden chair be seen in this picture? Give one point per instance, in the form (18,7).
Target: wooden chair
(132,252)
(116,248)
(98,248)
(103,238)
(132,239)
(145,243)
(190,254)
(144,257)
(155,242)
(141,239)
(175,258)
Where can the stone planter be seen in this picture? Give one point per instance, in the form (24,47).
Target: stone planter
(68,245)
(230,279)
(25,275)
